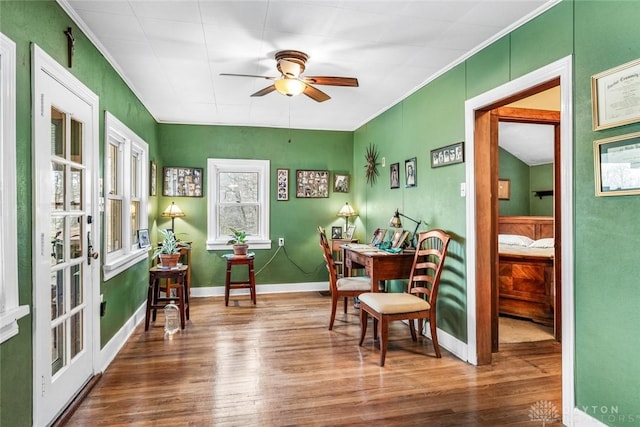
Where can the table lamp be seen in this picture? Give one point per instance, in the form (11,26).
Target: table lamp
(347,211)
(172,212)
(396,222)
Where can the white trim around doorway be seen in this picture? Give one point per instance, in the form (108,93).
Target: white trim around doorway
(560,69)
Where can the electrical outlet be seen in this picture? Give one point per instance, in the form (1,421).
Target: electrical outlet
(281,241)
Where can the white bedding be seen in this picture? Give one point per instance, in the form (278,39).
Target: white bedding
(525,251)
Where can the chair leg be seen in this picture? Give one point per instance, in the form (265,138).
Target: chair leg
(434,334)
(384,337)
(375,328)
(412,328)
(363,325)
(334,306)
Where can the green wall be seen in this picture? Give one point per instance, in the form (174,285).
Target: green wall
(541,179)
(296,219)
(518,174)
(599,34)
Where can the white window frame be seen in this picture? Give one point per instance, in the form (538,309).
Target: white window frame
(128,143)
(262,168)
(10,311)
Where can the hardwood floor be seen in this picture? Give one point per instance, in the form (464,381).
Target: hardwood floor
(276,364)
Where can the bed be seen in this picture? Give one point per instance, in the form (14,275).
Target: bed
(526,269)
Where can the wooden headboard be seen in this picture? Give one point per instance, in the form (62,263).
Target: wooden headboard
(534,227)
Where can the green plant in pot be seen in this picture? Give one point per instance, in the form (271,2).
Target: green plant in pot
(239,241)
(169,249)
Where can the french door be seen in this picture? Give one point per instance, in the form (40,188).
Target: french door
(65,131)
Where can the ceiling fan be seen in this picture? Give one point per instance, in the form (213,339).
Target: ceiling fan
(291,64)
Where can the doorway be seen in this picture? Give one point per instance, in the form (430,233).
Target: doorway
(66,334)
(482,212)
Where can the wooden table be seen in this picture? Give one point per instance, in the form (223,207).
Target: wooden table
(378,264)
(154,301)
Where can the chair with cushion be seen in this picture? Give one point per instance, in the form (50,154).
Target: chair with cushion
(417,303)
(343,287)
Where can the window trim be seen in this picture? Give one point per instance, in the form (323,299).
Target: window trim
(129,255)
(10,310)
(262,167)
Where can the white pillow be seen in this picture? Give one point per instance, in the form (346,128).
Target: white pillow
(514,240)
(547,242)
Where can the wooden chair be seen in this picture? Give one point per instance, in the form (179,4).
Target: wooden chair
(344,287)
(418,303)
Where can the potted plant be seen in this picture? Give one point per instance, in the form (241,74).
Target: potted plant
(239,241)
(169,249)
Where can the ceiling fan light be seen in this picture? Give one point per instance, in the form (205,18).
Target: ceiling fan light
(289,87)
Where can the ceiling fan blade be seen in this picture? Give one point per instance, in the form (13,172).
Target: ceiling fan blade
(315,94)
(248,75)
(331,81)
(265,91)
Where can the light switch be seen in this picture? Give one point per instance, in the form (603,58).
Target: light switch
(463,189)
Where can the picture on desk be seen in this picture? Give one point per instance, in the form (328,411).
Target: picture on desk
(336,232)
(351,231)
(143,238)
(378,236)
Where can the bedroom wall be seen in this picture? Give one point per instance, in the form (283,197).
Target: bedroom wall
(600,35)
(540,178)
(519,175)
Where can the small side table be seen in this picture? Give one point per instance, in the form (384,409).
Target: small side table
(250,283)
(154,301)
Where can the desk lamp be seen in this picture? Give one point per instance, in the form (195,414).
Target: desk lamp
(396,222)
(172,212)
(347,211)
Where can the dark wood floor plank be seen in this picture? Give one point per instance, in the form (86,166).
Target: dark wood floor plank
(276,364)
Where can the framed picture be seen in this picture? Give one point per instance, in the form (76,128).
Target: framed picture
(340,183)
(336,232)
(378,236)
(612,95)
(182,182)
(504,189)
(410,172)
(394,175)
(449,155)
(350,231)
(312,183)
(143,238)
(282,178)
(395,240)
(616,165)
(400,242)
(153,178)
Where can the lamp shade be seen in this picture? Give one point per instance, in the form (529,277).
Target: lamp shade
(173,211)
(395,220)
(289,86)
(347,211)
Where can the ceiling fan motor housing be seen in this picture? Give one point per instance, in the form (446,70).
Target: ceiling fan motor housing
(291,63)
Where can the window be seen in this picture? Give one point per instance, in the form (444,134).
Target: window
(238,193)
(126,181)
(10,311)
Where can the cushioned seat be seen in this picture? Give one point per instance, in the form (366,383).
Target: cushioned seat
(419,300)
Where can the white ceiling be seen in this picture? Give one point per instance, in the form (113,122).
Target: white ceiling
(531,143)
(171,53)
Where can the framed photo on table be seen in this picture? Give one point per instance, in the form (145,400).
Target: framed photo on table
(336,232)
(143,238)
(615,96)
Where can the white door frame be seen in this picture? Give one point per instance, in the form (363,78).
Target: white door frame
(43,63)
(562,69)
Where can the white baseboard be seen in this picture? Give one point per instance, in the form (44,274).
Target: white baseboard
(218,291)
(582,419)
(115,344)
(449,342)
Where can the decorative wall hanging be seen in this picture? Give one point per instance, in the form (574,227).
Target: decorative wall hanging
(371,156)
(504,189)
(182,182)
(616,170)
(340,183)
(394,175)
(153,178)
(283,184)
(312,183)
(410,172)
(614,96)
(448,155)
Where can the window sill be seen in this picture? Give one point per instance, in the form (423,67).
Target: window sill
(118,265)
(9,322)
(214,245)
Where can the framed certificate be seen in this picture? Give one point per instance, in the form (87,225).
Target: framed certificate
(615,96)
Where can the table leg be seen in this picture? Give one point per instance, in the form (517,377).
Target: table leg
(149,303)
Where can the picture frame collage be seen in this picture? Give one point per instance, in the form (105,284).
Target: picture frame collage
(311,183)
